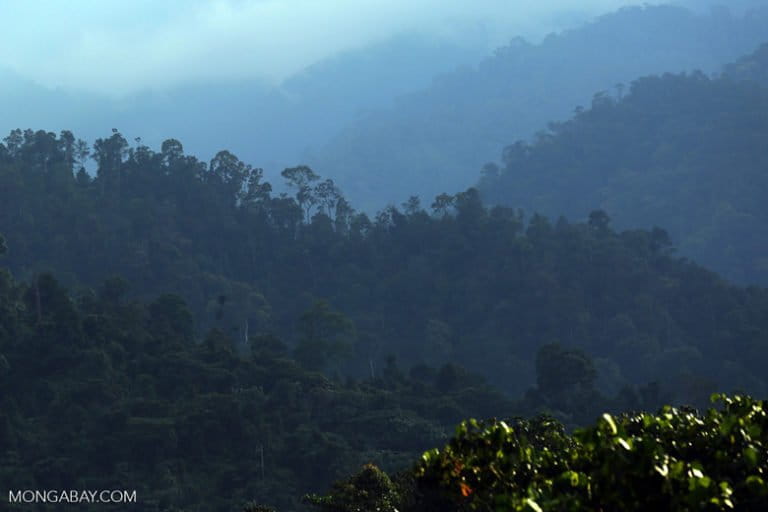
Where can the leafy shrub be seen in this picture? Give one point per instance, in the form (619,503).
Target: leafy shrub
(676,459)
(370,489)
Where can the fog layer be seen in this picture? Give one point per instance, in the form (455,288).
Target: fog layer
(119,47)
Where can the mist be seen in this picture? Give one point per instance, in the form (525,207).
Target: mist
(116,48)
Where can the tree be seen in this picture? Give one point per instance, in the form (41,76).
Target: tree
(343,216)
(172,150)
(301,179)
(81,151)
(325,336)
(109,155)
(67,147)
(469,206)
(599,221)
(369,489)
(412,206)
(328,196)
(14,142)
(228,172)
(443,204)
(660,240)
(170,320)
(256,191)
(559,369)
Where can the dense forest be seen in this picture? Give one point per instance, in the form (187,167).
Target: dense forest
(97,391)
(313,330)
(101,392)
(585,329)
(482,287)
(683,151)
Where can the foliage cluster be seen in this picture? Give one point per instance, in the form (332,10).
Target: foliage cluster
(676,459)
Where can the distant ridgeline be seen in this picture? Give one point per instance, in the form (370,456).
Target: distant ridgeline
(479,287)
(437,139)
(686,152)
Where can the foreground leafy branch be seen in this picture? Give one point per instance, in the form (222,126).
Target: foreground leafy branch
(676,459)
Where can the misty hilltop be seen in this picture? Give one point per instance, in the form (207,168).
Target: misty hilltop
(409,113)
(680,150)
(261,122)
(437,140)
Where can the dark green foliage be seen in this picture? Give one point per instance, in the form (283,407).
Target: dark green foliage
(253,507)
(676,459)
(324,336)
(201,404)
(98,392)
(558,369)
(481,288)
(370,489)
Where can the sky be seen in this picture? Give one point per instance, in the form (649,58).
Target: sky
(120,47)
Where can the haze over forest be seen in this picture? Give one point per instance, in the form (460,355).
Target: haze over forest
(262,253)
(280,89)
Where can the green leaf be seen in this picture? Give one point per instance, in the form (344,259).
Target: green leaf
(756,483)
(533,505)
(725,489)
(611,423)
(750,455)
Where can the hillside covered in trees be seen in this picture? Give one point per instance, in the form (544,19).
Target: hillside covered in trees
(179,325)
(219,339)
(101,392)
(462,283)
(435,140)
(216,343)
(683,151)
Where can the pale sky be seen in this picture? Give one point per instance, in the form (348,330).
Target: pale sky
(118,47)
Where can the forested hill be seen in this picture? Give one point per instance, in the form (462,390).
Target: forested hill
(753,67)
(460,283)
(436,140)
(683,151)
(101,392)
